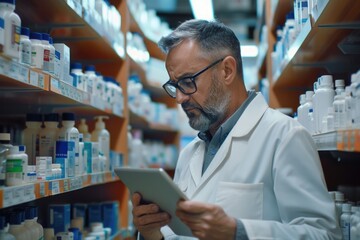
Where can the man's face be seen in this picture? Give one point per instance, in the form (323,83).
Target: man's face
(207,106)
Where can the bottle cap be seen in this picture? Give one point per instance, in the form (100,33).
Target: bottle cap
(45,36)
(35,35)
(76,65)
(339,83)
(90,68)
(25,31)
(33,117)
(5,137)
(51,117)
(67,116)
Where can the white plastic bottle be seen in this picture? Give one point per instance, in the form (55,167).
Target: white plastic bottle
(25,160)
(345,221)
(48,135)
(354,219)
(78,76)
(323,99)
(90,76)
(339,201)
(339,111)
(102,135)
(4,235)
(14,166)
(339,86)
(12,29)
(69,132)
(330,120)
(31,136)
(25,46)
(84,129)
(306,108)
(16,228)
(348,107)
(5,145)
(46,55)
(300,113)
(29,224)
(35,224)
(37,50)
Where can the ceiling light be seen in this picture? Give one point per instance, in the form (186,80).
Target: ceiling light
(249,50)
(202,9)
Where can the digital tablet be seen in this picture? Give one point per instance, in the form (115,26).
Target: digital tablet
(156,186)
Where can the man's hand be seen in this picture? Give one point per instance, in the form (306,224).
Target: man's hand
(206,221)
(148,219)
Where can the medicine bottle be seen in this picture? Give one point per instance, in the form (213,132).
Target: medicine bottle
(84,129)
(48,135)
(4,151)
(25,46)
(90,77)
(339,86)
(68,132)
(37,50)
(16,227)
(323,98)
(345,221)
(31,136)
(14,166)
(12,29)
(78,76)
(102,136)
(29,224)
(4,235)
(46,55)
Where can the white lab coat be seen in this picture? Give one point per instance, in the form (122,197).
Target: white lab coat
(266,173)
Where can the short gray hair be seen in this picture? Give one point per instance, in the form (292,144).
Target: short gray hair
(214,39)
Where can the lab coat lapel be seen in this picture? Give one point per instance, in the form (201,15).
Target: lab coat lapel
(243,126)
(196,162)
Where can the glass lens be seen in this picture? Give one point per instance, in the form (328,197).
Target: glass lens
(170,89)
(187,85)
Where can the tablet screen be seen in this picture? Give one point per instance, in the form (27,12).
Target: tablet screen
(156,186)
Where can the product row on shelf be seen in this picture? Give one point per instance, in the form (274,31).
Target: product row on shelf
(300,51)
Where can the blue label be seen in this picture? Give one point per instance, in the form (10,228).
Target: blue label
(2,23)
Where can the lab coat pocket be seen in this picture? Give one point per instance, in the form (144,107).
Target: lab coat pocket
(241,200)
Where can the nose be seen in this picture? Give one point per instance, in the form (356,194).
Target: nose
(181,97)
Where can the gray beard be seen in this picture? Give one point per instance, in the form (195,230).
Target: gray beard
(212,113)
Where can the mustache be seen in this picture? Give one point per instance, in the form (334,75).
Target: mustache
(188,105)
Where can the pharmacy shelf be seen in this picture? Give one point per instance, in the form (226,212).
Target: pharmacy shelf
(30,90)
(65,23)
(341,140)
(11,196)
(151,45)
(322,47)
(154,88)
(139,122)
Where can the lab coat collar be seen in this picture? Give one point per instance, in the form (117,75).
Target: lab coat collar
(244,125)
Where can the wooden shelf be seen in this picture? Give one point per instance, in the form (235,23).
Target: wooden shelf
(46,94)
(317,51)
(11,196)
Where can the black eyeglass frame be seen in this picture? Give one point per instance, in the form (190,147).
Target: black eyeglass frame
(176,85)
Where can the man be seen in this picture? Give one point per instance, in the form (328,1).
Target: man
(252,172)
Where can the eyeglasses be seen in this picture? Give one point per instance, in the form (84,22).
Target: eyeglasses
(187,84)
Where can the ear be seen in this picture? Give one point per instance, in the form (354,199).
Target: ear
(229,69)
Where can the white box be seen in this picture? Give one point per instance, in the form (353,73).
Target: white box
(64,60)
